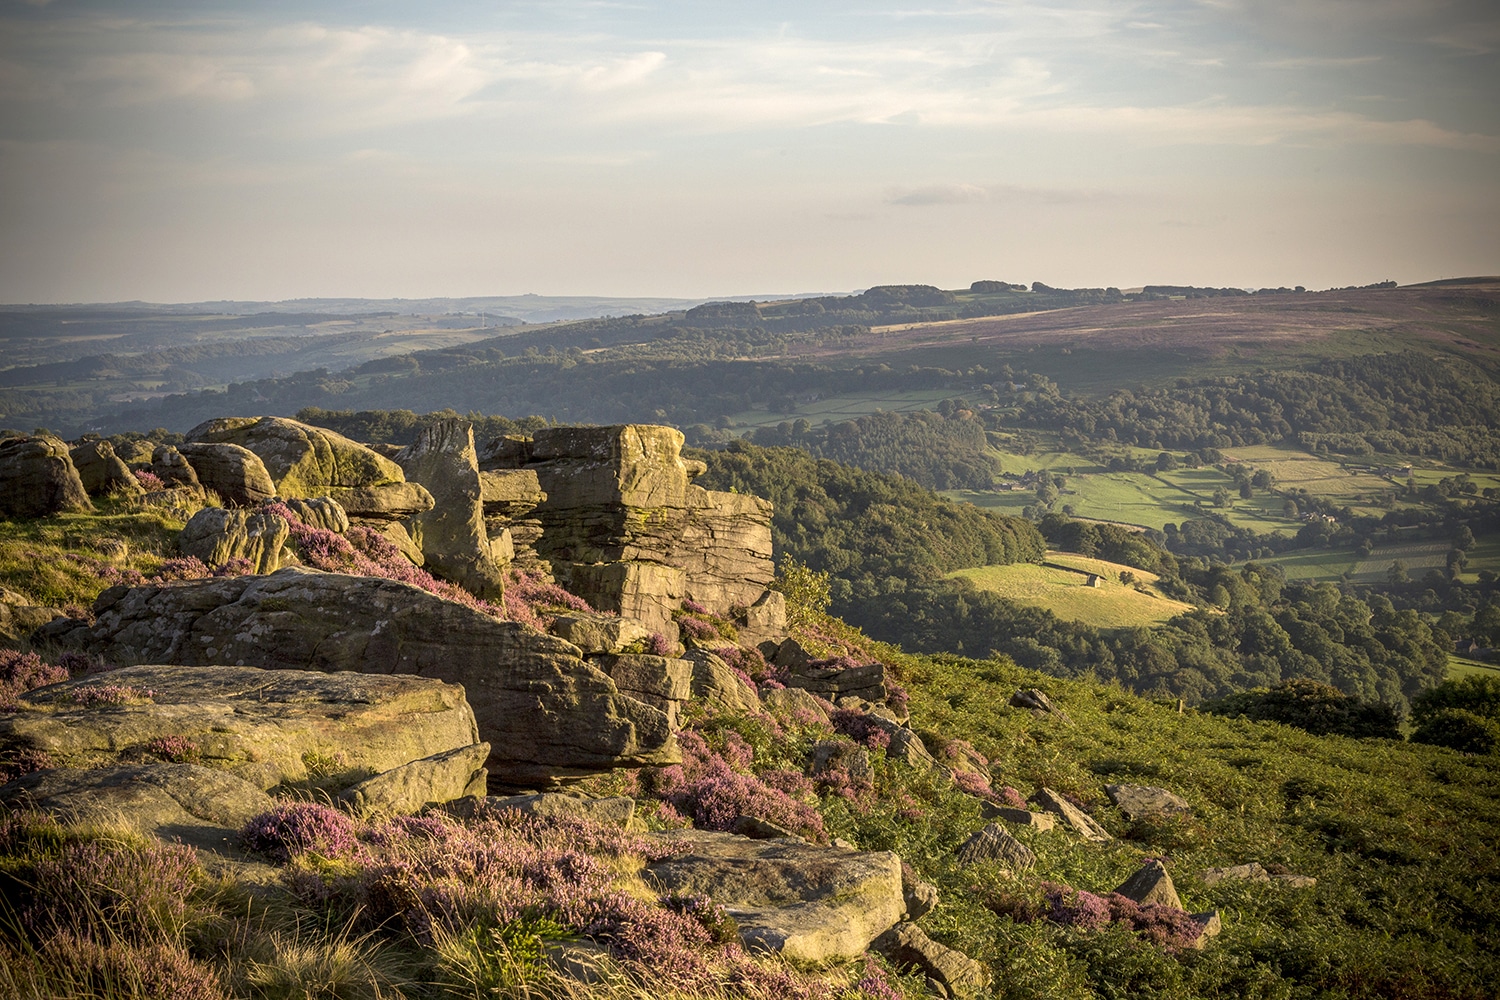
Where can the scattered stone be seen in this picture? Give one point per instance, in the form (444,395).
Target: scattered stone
(101,471)
(1079,821)
(826,755)
(217,535)
(1038,821)
(1211,924)
(171,467)
(598,633)
(1151,884)
(198,805)
(1146,802)
(431,781)
(617,811)
(994,843)
(271,728)
(810,904)
(764,620)
(865,682)
(921,897)
(236,474)
(454,540)
(717,685)
(37,478)
(547,714)
(1034,700)
(950,973)
(1254,872)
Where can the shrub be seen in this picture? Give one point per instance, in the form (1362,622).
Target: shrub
(1320,709)
(110,694)
(72,966)
(1167,927)
(299,828)
(105,888)
(861,728)
(714,789)
(180,749)
(1459,729)
(22,672)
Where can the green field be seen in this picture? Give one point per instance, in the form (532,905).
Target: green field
(1462,666)
(835,409)
(1065,591)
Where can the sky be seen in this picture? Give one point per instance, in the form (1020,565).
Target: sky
(190,150)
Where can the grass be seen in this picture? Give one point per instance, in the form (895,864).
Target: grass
(124,534)
(836,409)
(1462,666)
(1062,589)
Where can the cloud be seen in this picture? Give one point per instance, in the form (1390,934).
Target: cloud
(940,194)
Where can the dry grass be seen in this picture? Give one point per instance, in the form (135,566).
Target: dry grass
(1065,591)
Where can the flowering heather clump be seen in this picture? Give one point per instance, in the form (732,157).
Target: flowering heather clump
(1012,797)
(752,665)
(693,627)
(18,763)
(150,481)
(713,918)
(110,694)
(1075,908)
(657,645)
(973,783)
(137,893)
(874,984)
(528,598)
(78,966)
(896,696)
(22,672)
(1166,927)
(175,748)
(109,573)
(707,788)
(861,728)
(299,828)
(692,607)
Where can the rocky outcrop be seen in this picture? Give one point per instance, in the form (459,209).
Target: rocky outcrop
(794,704)
(622,526)
(994,843)
(451,534)
(599,633)
(217,535)
(303,461)
(197,805)
(274,729)
(236,474)
(1034,700)
(510,498)
(949,973)
(615,811)
(319,512)
(1146,802)
(1075,818)
(37,478)
(547,713)
(1255,872)
(661,682)
(432,781)
(172,468)
(101,471)
(810,904)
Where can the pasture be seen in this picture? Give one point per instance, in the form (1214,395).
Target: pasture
(1062,588)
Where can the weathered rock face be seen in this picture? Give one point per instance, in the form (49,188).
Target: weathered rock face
(452,533)
(1255,872)
(171,467)
(622,526)
(412,787)
(659,681)
(217,534)
(387,502)
(510,498)
(1075,818)
(811,904)
(616,811)
(198,805)
(949,973)
(319,512)
(547,713)
(270,728)
(303,461)
(597,633)
(1041,822)
(37,478)
(994,843)
(101,471)
(1151,884)
(718,686)
(236,474)
(1145,802)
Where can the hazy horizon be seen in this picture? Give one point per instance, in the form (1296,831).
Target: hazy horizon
(175,152)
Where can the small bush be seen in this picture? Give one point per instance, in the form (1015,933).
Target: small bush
(299,828)
(1459,729)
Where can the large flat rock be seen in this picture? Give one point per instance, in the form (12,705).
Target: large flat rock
(811,904)
(270,728)
(546,712)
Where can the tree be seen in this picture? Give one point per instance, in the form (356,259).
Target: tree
(1221,497)
(1397,573)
